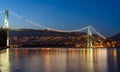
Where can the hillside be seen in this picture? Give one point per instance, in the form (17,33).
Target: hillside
(50,38)
(116,37)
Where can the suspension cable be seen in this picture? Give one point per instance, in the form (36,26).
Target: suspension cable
(48,28)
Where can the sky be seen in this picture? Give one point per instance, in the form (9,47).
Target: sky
(103,15)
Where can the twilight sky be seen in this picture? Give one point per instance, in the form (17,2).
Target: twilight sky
(103,15)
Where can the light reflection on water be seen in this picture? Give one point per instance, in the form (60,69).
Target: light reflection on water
(60,60)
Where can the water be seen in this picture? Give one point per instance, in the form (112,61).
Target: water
(60,60)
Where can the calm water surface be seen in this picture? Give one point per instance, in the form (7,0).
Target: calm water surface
(60,60)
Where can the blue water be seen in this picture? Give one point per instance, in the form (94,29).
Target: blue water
(60,60)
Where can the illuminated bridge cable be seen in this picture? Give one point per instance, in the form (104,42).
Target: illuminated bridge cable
(78,30)
(99,34)
(39,25)
(48,28)
(29,21)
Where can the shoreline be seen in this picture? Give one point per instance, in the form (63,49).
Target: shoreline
(61,47)
(53,47)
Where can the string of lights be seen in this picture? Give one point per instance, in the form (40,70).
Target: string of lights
(48,28)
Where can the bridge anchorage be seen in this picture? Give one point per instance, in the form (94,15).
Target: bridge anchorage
(7,28)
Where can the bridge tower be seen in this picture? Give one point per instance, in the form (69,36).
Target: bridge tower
(6,25)
(6,22)
(89,37)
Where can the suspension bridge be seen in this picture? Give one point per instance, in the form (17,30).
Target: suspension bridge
(7,27)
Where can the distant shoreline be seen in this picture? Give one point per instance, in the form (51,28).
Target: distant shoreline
(3,48)
(60,47)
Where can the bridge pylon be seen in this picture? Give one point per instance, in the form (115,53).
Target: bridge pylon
(6,26)
(89,37)
(6,21)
